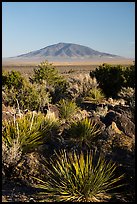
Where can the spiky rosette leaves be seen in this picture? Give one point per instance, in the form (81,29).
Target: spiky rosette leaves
(83,131)
(77,177)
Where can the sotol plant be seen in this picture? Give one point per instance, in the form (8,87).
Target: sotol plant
(67,109)
(23,135)
(31,129)
(76,177)
(83,131)
(95,95)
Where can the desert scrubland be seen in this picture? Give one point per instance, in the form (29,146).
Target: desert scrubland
(68,132)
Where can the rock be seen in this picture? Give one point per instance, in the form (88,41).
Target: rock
(110,100)
(4,199)
(115,128)
(81,114)
(125,110)
(52,109)
(109,118)
(125,124)
(100,124)
(115,145)
(89,106)
(8,113)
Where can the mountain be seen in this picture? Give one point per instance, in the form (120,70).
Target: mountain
(65,53)
(65,50)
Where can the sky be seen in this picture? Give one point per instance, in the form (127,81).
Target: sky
(103,26)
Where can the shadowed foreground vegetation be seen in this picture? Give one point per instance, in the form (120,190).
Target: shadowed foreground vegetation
(70,136)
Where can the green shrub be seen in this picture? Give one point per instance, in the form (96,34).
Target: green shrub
(83,131)
(30,96)
(80,86)
(76,177)
(55,83)
(12,79)
(111,78)
(9,96)
(33,97)
(46,72)
(129,75)
(60,91)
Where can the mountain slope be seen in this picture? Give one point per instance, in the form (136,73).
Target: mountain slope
(67,50)
(65,53)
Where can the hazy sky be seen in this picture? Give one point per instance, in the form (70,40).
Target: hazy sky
(103,26)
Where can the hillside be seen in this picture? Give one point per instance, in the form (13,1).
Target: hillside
(66,53)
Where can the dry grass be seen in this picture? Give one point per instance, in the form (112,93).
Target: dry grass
(64,68)
(11,156)
(92,61)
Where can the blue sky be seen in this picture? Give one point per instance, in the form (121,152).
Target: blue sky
(103,26)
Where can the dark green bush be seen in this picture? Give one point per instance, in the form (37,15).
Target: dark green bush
(12,79)
(60,91)
(46,72)
(129,75)
(112,78)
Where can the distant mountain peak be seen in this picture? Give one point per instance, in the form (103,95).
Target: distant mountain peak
(66,50)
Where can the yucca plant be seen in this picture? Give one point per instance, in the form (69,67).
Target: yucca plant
(67,109)
(23,135)
(95,94)
(77,177)
(31,130)
(83,131)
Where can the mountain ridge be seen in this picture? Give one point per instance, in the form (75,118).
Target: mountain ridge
(67,50)
(65,53)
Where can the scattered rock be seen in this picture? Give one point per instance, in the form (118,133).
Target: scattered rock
(51,108)
(125,124)
(109,118)
(116,141)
